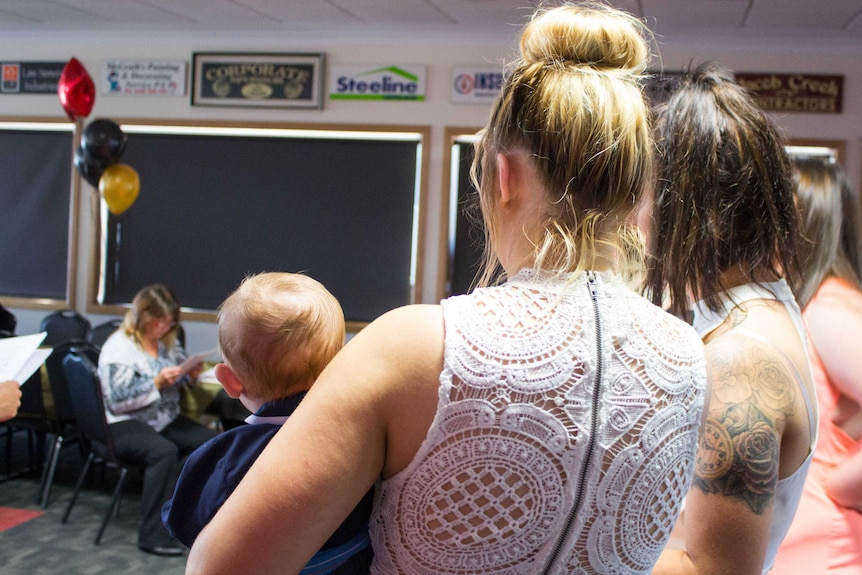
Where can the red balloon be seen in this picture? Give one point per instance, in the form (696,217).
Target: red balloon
(76,90)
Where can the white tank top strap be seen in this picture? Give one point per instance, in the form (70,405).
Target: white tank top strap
(706,320)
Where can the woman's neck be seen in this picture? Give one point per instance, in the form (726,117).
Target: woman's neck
(735,276)
(150,346)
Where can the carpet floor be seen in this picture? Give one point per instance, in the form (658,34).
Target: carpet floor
(39,544)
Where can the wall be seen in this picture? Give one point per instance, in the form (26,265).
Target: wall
(439,55)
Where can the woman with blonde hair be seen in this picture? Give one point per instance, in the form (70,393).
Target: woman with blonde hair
(139,367)
(546,424)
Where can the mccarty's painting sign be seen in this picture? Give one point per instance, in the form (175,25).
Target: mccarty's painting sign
(811,93)
(352,82)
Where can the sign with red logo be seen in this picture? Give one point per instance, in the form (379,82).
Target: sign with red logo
(30,77)
(471,85)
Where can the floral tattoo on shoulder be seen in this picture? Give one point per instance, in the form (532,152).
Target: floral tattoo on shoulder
(753,392)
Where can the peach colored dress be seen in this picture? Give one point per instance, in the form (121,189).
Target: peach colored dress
(824,538)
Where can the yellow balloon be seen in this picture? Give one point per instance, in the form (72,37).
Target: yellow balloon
(119,185)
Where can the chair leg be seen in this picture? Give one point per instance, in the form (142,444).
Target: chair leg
(49,470)
(78,485)
(115,503)
(9,432)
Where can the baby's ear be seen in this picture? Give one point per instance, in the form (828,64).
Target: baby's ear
(228,380)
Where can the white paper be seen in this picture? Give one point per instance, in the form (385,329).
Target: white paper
(208,376)
(20,356)
(195,360)
(35,362)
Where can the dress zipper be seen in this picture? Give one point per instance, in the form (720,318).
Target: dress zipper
(594,424)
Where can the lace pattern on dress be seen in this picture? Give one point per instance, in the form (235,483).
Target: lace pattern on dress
(495,479)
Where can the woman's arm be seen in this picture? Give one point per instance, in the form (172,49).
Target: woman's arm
(126,389)
(365,417)
(834,322)
(728,511)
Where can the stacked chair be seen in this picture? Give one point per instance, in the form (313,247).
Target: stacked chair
(92,424)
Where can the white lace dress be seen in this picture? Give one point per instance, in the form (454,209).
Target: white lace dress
(564,439)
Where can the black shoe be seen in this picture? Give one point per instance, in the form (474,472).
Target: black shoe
(164,550)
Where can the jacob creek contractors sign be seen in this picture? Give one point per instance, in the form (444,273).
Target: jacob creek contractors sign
(378,83)
(257,80)
(812,93)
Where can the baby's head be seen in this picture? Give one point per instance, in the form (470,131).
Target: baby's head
(277,332)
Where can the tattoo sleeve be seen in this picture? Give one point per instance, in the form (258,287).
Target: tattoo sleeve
(752,393)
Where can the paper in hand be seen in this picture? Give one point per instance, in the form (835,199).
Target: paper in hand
(20,356)
(195,360)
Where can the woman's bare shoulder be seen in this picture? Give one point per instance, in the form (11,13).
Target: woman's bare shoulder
(413,332)
(390,373)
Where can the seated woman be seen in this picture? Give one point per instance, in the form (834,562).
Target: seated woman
(139,366)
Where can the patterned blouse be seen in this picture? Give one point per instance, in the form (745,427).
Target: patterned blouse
(128,381)
(564,439)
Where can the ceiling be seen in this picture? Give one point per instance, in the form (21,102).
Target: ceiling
(826,20)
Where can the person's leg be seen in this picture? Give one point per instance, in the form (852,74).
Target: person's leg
(187,435)
(135,441)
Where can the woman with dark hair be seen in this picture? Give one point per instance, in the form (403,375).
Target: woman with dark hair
(826,534)
(139,367)
(725,242)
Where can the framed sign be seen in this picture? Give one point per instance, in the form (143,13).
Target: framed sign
(257,80)
(30,77)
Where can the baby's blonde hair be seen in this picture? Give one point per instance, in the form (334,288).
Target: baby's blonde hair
(574,102)
(278,331)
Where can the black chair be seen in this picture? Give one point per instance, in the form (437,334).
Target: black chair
(33,418)
(64,325)
(99,333)
(64,429)
(8,321)
(88,404)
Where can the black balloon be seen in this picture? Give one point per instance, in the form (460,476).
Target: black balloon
(90,168)
(103,140)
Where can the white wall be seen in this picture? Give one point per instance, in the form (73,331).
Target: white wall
(439,55)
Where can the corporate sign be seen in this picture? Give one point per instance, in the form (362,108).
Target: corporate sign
(31,77)
(142,78)
(352,82)
(472,85)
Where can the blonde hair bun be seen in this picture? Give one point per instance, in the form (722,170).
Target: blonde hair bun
(586,34)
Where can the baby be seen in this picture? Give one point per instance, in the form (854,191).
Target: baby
(276,332)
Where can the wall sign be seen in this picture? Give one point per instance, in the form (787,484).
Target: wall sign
(471,85)
(257,80)
(812,93)
(354,82)
(30,77)
(143,78)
